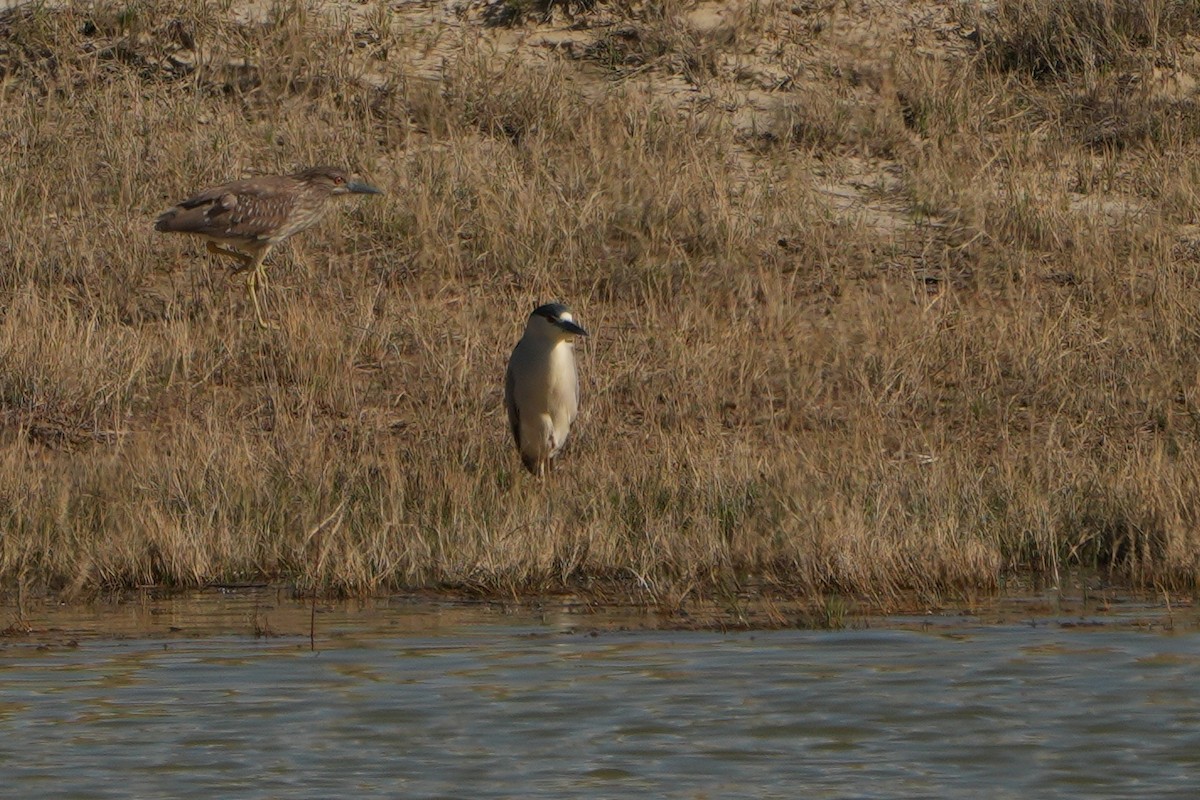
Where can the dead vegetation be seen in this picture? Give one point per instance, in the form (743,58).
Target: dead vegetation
(885,300)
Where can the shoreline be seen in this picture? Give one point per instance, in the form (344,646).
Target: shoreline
(276,612)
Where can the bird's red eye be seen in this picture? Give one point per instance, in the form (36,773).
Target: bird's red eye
(338,179)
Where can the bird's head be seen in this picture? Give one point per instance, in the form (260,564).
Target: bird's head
(554,321)
(334,181)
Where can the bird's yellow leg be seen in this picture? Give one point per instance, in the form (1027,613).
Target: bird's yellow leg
(252,283)
(217,250)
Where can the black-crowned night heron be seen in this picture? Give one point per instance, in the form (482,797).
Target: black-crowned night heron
(541,388)
(243,220)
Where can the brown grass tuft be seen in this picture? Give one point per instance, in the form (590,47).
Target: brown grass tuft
(1057,40)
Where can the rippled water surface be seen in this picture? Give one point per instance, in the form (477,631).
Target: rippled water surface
(428,704)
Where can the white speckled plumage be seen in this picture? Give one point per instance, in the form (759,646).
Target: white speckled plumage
(244,219)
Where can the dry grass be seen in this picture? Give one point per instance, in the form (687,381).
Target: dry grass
(982,366)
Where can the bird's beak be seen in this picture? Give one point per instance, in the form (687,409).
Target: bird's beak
(570,326)
(358,187)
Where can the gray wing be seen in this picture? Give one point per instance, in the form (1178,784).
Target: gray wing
(234,209)
(510,404)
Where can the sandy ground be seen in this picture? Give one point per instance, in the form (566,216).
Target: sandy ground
(761,58)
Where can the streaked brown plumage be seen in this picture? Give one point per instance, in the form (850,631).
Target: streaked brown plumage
(243,220)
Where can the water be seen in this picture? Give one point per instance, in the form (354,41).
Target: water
(422,702)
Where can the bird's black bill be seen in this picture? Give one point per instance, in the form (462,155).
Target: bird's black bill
(358,187)
(571,326)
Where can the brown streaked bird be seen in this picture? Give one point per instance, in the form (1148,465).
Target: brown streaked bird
(243,220)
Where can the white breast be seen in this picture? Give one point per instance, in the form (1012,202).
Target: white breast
(546,393)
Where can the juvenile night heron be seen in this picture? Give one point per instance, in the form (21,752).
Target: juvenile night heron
(243,220)
(541,388)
